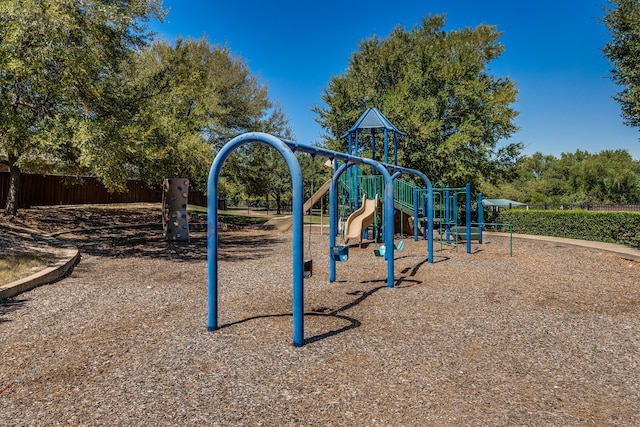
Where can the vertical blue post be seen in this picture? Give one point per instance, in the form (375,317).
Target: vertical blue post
(430,222)
(373,144)
(212,246)
(447,215)
(395,148)
(425,208)
(350,174)
(389,228)
(480,216)
(416,218)
(468,216)
(356,175)
(386,145)
(333,217)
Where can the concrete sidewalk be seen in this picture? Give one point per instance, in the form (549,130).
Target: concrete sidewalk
(627,252)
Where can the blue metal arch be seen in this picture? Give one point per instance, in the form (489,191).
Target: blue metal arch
(287,149)
(212,228)
(398,171)
(388,216)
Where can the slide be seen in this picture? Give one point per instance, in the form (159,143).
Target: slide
(283,223)
(360,219)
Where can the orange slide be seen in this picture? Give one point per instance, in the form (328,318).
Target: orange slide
(360,219)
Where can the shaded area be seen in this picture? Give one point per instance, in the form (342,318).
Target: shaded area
(123,231)
(322,312)
(9,305)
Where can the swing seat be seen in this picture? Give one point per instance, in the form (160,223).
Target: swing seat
(307,268)
(380,251)
(340,253)
(383,250)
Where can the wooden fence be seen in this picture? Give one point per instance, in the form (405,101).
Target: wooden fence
(49,190)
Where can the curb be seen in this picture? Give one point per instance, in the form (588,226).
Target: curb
(48,275)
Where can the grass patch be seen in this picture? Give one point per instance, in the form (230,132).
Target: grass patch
(18,266)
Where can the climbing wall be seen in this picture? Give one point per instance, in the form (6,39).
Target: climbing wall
(175,222)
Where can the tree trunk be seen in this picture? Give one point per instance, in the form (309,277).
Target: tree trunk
(13,194)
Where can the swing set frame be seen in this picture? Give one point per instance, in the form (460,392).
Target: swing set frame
(287,149)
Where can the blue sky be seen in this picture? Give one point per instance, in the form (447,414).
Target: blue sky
(552,51)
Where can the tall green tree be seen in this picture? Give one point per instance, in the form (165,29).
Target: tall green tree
(60,60)
(194,97)
(435,86)
(623,21)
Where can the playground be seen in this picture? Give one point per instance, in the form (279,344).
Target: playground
(548,336)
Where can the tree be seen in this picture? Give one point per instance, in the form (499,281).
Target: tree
(196,96)
(623,21)
(435,86)
(60,61)
(611,176)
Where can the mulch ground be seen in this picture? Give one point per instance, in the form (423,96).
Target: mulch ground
(550,336)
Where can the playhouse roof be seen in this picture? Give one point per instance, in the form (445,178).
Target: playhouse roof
(372,120)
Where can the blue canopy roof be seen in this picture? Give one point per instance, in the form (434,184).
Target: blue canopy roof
(501,203)
(373,121)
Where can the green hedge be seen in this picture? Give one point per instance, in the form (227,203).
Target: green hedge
(612,227)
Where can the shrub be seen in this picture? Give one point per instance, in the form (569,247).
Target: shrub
(613,227)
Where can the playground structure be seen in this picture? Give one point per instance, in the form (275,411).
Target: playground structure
(382,190)
(446,203)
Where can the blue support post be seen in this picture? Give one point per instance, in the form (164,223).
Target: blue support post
(468,216)
(333,217)
(386,146)
(416,218)
(480,216)
(425,207)
(447,215)
(430,222)
(395,148)
(356,176)
(373,145)
(388,225)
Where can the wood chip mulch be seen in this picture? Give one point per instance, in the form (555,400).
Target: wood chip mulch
(550,336)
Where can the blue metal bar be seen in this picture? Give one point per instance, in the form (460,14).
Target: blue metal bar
(333,216)
(447,215)
(468,216)
(416,202)
(373,144)
(297,244)
(386,146)
(395,148)
(480,216)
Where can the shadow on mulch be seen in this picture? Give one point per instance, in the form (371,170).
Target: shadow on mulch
(352,323)
(9,305)
(148,242)
(137,232)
